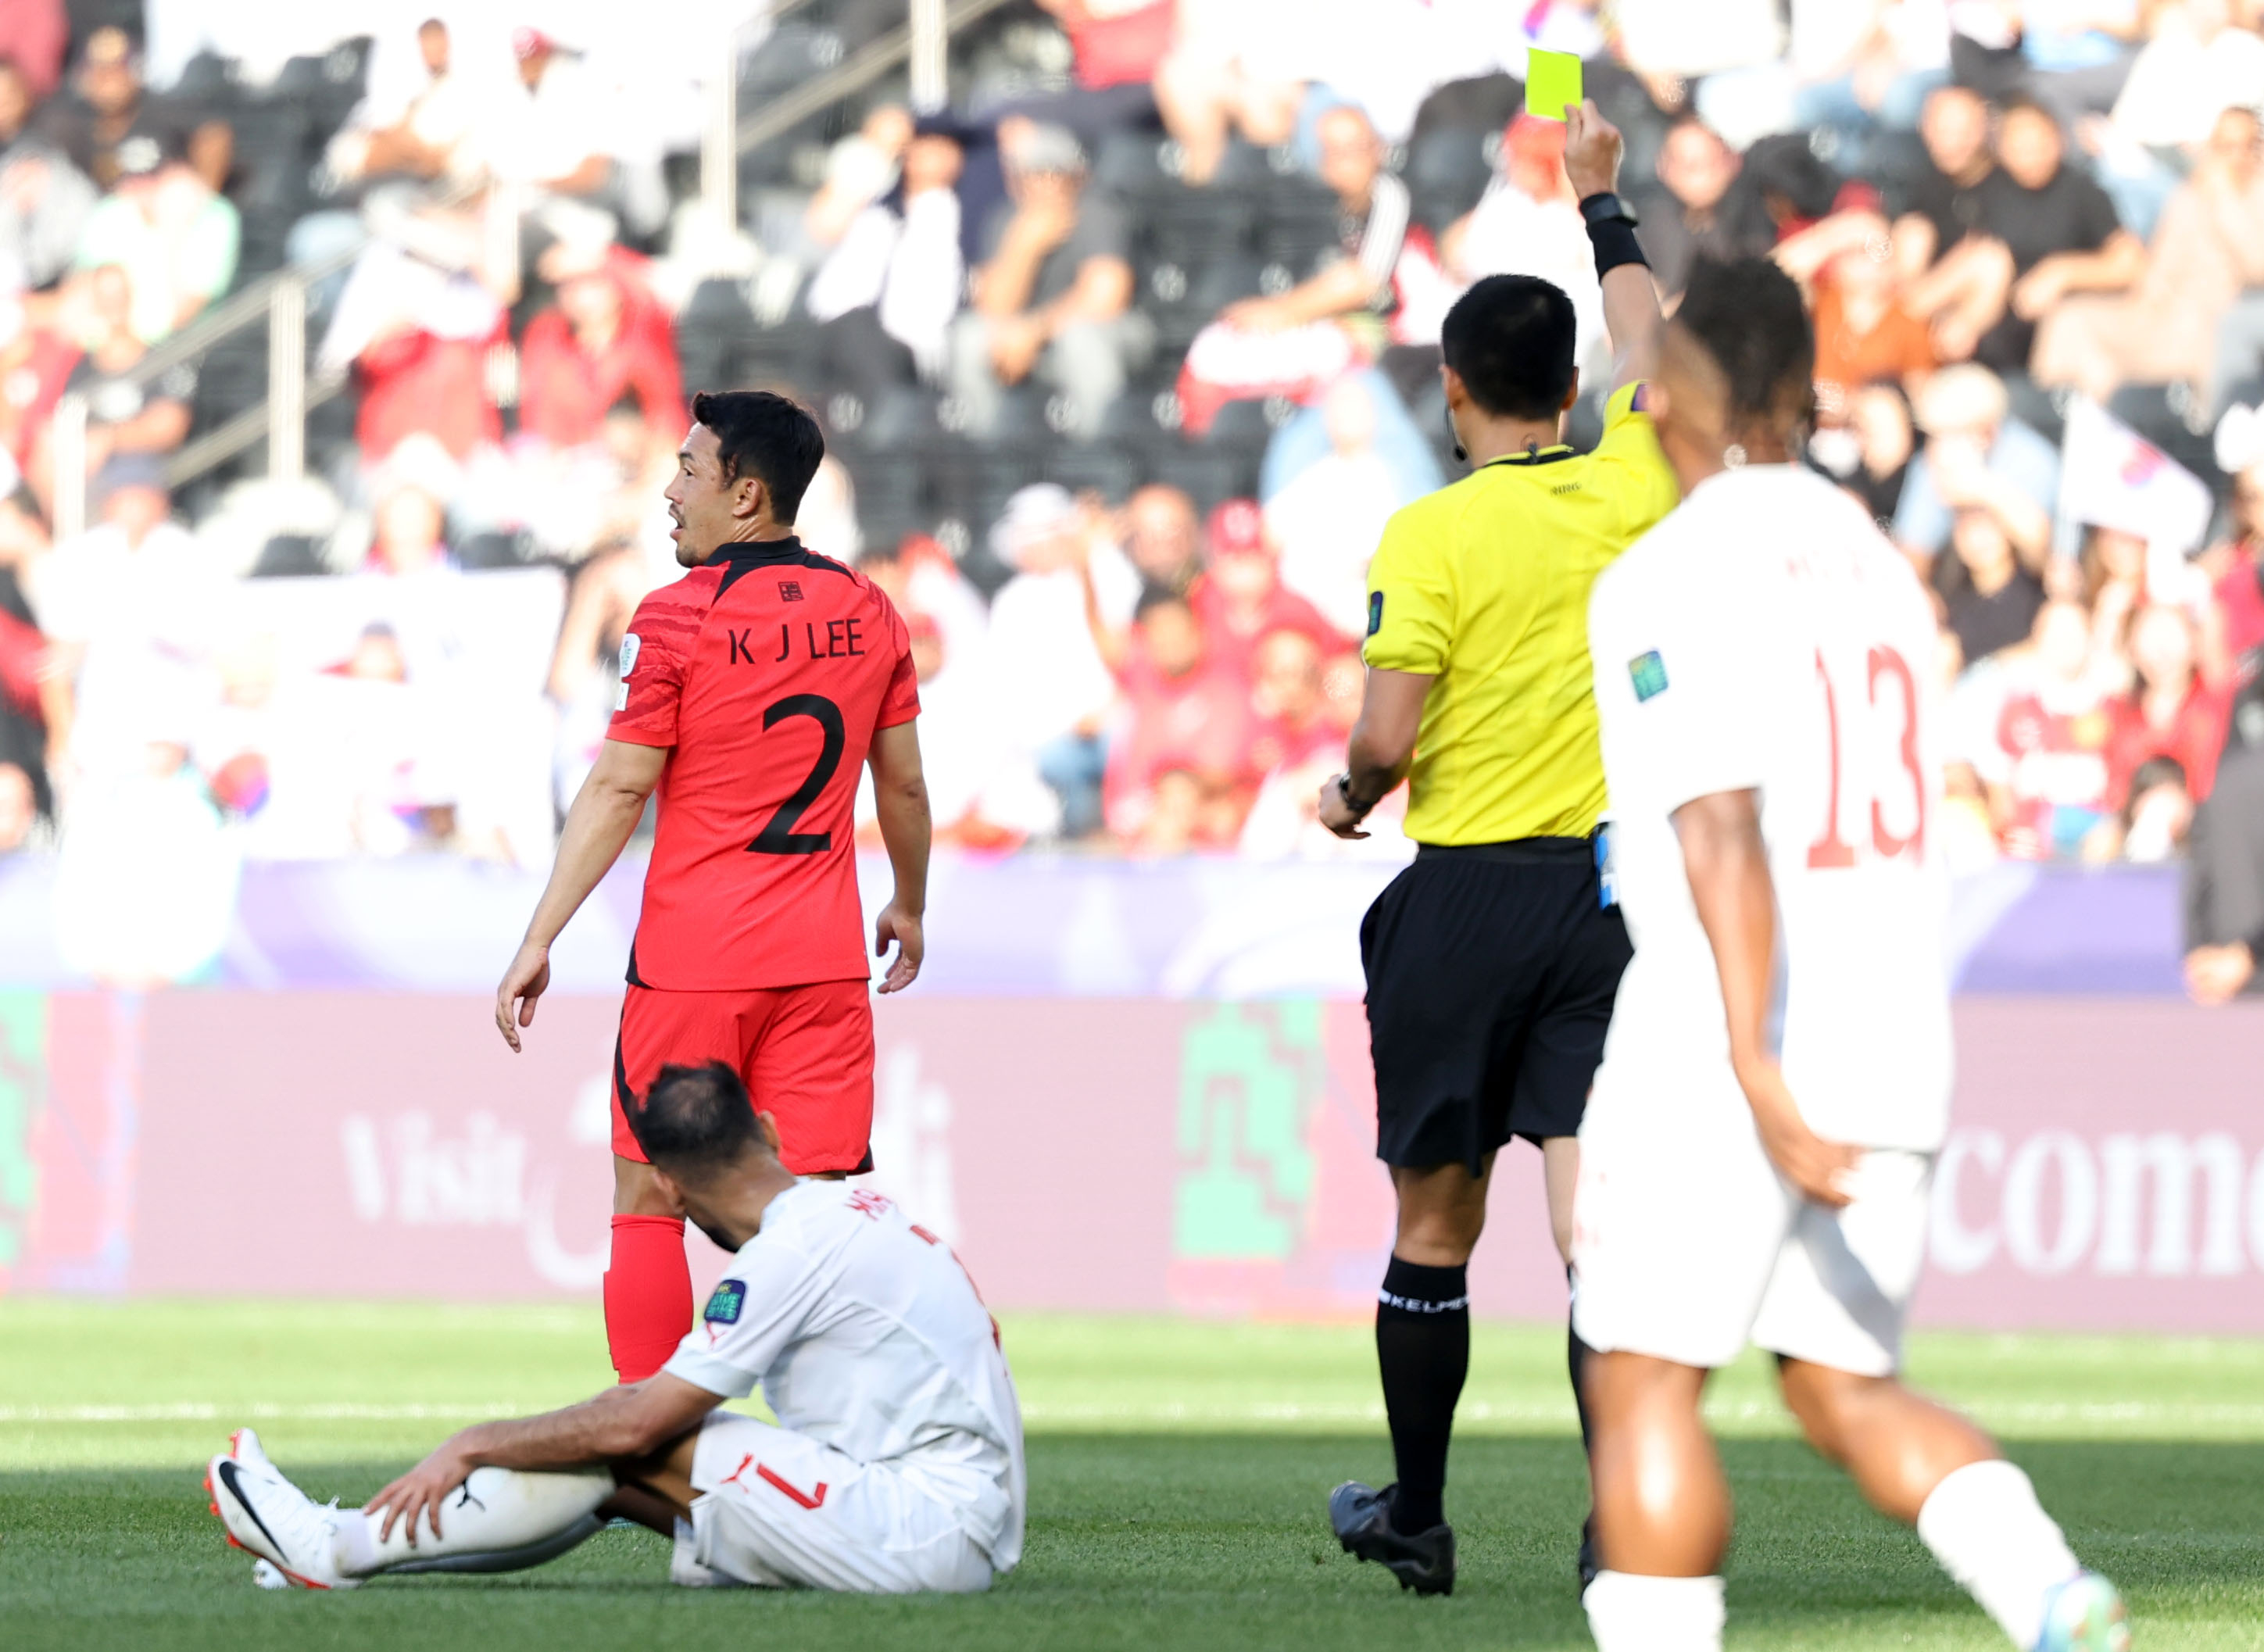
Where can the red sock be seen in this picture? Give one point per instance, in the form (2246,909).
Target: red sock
(648,1294)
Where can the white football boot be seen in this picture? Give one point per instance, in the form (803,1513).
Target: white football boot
(244,1446)
(267,1515)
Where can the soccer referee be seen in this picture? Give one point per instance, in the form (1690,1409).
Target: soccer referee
(1493,961)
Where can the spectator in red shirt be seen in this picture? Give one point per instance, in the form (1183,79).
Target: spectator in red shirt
(1163,536)
(1290,709)
(1189,719)
(418,382)
(2048,777)
(607,337)
(32,34)
(2233,648)
(35,363)
(1241,597)
(1114,45)
(2169,711)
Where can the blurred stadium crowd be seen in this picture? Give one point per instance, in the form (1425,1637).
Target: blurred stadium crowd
(1125,357)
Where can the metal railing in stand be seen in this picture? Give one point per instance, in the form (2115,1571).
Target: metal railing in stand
(281,300)
(927,29)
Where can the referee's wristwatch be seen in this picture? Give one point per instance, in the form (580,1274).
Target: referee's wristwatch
(1359,811)
(1605,206)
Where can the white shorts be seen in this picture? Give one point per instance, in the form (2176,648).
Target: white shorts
(777,1510)
(1686,1244)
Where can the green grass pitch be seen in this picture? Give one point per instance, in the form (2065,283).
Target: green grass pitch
(1176,1474)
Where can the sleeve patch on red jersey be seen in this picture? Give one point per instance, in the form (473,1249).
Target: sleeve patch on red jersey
(630,643)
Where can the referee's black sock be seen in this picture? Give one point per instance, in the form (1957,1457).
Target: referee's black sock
(1422,1348)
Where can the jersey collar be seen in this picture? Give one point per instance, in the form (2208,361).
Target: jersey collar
(1548,455)
(757,552)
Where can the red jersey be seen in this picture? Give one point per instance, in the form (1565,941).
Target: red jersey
(2241,593)
(565,389)
(1231,644)
(766,670)
(2058,761)
(2195,738)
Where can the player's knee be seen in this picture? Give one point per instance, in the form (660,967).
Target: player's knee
(1439,1236)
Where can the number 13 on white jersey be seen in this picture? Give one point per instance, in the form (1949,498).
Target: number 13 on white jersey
(1861,889)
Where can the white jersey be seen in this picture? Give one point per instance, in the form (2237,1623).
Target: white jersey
(1765,635)
(868,1337)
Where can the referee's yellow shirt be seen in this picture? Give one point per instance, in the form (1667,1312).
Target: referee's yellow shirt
(1483,585)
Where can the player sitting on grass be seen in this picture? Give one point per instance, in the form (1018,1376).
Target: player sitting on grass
(896,1465)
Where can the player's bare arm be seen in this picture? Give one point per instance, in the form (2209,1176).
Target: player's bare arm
(599,826)
(900,796)
(1592,150)
(632,1421)
(1729,884)
(1382,746)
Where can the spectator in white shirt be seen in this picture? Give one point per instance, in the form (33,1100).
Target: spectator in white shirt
(421,129)
(1049,688)
(551,135)
(887,291)
(1224,74)
(130,607)
(2197,65)
(1326,522)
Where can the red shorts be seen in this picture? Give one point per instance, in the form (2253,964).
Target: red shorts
(806,1054)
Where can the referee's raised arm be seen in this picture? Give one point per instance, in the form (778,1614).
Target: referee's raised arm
(1493,960)
(1592,150)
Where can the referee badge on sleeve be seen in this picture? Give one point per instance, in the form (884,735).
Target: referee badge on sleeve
(1649,674)
(1375,611)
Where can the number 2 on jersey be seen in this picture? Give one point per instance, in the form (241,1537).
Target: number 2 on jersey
(778,835)
(1829,850)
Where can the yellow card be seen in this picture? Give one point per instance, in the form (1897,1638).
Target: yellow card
(1552,80)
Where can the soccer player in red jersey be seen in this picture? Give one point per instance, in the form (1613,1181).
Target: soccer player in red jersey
(751,690)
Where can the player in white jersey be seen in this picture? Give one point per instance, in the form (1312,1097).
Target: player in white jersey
(1763,661)
(895,1463)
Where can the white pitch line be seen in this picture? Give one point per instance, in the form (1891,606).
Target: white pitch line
(1042,1412)
(198,1411)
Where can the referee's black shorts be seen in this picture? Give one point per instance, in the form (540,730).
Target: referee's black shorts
(1490,973)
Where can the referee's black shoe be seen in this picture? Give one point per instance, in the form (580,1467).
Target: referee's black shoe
(1587,1564)
(1423,1562)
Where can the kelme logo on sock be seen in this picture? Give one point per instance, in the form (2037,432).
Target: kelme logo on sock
(723,1306)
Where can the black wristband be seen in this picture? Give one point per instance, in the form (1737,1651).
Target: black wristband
(1344,793)
(1615,243)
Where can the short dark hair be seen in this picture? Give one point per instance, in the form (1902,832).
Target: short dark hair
(695,1119)
(774,439)
(1513,340)
(1748,315)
